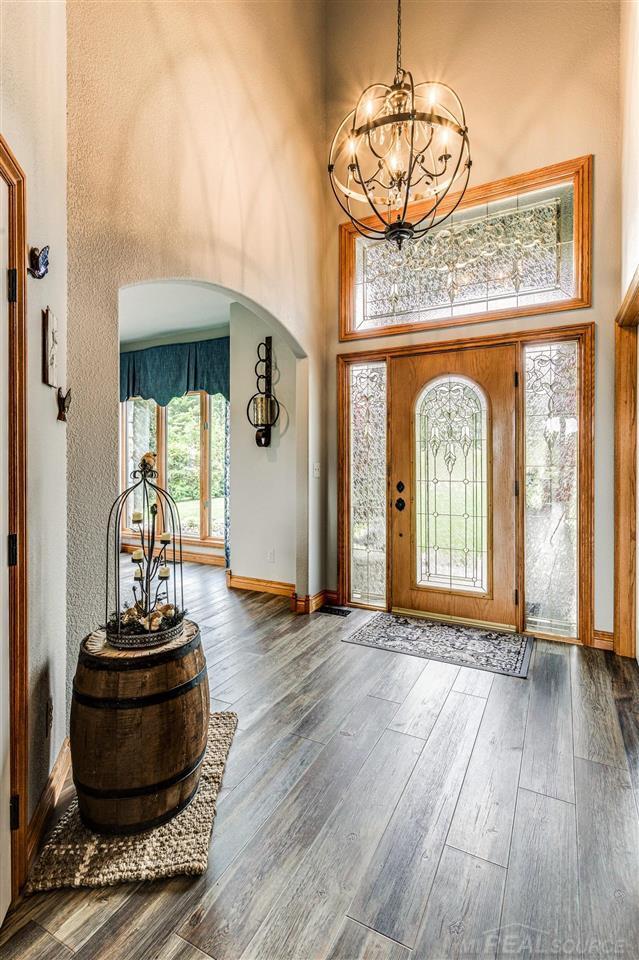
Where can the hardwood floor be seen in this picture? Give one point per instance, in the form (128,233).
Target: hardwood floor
(377,806)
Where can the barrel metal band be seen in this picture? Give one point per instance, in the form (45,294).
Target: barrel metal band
(142,825)
(119,794)
(132,703)
(110,664)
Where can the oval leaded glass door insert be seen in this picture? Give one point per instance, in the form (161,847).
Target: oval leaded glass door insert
(451,485)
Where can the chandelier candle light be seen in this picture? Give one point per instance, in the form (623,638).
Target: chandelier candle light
(156,614)
(402,144)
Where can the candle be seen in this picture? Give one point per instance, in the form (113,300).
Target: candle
(137,575)
(165,537)
(137,554)
(136,516)
(163,573)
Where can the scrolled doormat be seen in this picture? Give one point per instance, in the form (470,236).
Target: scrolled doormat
(507,653)
(74,856)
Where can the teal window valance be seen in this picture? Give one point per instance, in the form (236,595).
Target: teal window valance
(173,369)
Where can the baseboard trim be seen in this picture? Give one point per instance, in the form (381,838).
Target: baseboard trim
(275,587)
(308,604)
(603,640)
(48,799)
(188,556)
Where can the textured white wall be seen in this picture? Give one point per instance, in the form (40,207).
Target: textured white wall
(194,144)
(263,481)
(33,121)
(539,83)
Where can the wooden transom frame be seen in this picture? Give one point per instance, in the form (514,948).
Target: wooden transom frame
(584,335)
(578,172)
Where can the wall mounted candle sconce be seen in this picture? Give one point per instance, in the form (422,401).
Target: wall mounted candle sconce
(263,408)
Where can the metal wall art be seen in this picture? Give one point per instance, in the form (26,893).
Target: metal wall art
(49,348)
(38,262)
(263,408)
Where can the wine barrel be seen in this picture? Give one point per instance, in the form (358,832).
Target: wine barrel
(139,723)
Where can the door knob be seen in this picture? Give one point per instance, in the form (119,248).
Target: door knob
(400,503)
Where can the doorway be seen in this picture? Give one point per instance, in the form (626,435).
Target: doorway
(453,513)
(465,479)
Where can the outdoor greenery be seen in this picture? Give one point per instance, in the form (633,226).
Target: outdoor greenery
(183,454)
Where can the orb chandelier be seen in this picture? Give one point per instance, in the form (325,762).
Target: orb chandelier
(402,144)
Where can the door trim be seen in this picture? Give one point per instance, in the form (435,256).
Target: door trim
(583,333)
(14,177)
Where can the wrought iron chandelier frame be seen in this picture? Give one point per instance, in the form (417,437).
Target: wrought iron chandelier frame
(400,184)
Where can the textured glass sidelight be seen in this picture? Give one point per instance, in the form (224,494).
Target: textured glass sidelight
(368,483)
(551,458)
(451,486)
(501,255)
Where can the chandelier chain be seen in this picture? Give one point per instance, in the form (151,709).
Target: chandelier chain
(399,40)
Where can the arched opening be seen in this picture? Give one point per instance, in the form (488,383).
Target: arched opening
(237,501)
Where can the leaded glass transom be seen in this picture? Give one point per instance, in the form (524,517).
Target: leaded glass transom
(502,255)
(451,485)
(368,483)
(551,517)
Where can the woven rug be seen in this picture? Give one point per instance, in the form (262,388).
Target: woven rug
(74,856)
(507,653)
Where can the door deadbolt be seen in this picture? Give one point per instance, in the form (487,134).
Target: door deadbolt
(400,487)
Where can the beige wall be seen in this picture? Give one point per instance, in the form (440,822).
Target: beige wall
(539,83)
(630,153)
(629,141)
(263,494)
(33,121)
(194,144)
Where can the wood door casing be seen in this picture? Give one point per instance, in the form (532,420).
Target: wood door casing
(493,369)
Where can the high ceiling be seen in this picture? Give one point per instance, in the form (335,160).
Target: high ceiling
(160,309)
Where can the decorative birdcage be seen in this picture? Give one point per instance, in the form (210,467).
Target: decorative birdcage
(155,612)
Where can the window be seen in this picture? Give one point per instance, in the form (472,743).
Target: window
(551,399)
(190,437)
(451,486)
(367,428)
(516,247)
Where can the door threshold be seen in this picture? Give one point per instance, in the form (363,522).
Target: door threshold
(464,621)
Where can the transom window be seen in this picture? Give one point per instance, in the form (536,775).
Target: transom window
(190,437)
(511,248)
(451,485)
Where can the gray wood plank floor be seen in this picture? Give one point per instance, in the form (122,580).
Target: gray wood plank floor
(377,806)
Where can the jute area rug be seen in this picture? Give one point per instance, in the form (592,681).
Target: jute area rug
(507,653)
(74,856)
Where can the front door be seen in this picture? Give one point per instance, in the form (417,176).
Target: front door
(453,506)
(5,679)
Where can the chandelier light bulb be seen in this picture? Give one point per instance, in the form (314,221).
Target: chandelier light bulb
(398,154)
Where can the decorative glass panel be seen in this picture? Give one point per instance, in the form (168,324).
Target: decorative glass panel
(183,459)
(501,255)
(368,483)
(218,447)
(451,485)
(551,454)
(141,436)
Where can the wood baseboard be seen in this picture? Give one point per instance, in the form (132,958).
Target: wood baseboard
(188,556)
(48,799)
(308,604)
(275,587)
(603,640)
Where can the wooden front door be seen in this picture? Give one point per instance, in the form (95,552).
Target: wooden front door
(452,475)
